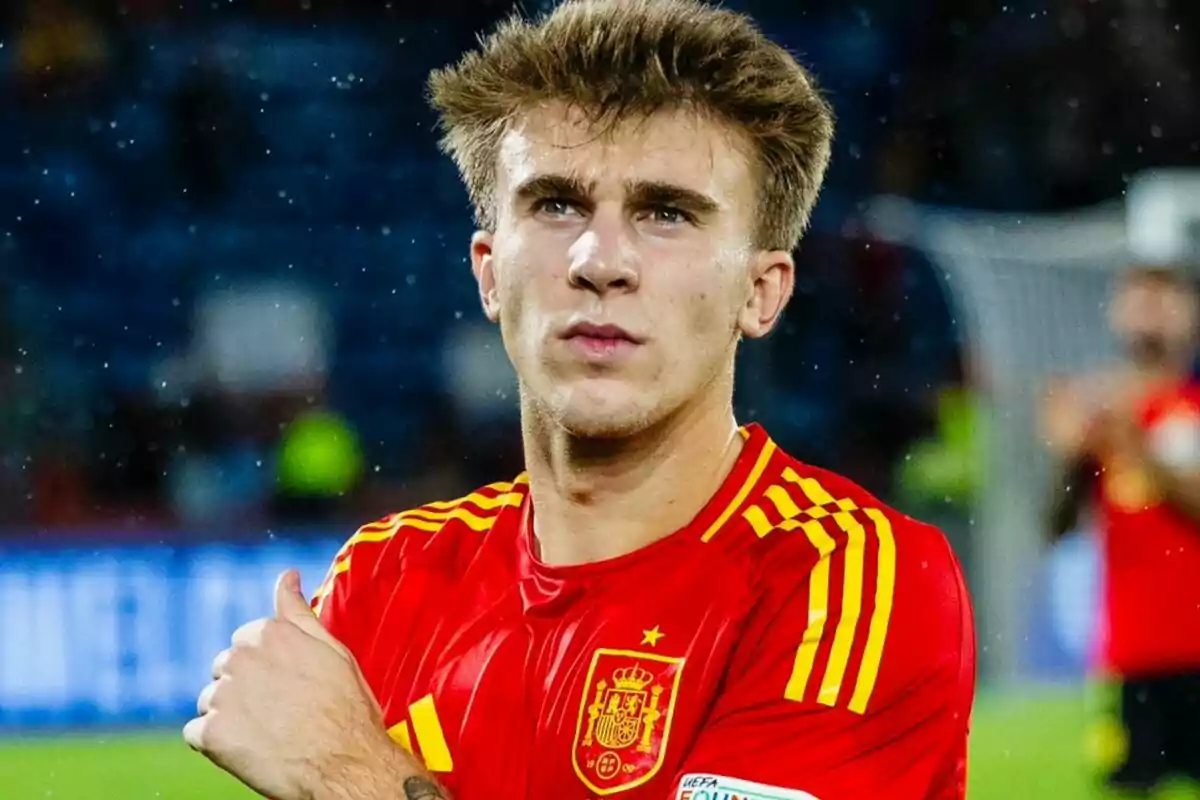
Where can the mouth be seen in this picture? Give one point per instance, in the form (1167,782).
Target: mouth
(601,342)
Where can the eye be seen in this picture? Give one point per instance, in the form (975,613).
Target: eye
(668,215)
(556,207)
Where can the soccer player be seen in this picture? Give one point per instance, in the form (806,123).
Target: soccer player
(664,604)
(1130,438)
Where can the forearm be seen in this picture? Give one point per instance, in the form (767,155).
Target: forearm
(383,775)
(1070,490)
(414,787)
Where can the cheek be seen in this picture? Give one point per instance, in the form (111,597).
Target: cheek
(701,324)
(530,271)
(510,271)
(712,311)
(526,296)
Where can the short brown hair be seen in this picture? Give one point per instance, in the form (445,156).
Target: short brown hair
(1174,274)
(616,59)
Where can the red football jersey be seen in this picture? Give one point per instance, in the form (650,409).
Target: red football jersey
(797,640)
(1150,551)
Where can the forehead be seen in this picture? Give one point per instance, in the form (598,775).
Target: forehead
(1143,282)
(676,147)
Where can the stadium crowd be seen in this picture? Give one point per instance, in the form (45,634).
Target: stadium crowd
(233,287)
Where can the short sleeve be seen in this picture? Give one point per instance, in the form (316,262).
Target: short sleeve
(860,683)
(344,600)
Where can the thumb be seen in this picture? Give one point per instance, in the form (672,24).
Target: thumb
(290,606)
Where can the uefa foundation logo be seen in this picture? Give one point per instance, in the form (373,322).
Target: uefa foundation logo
(719,787)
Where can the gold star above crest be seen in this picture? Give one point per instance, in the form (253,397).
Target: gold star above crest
(652,636)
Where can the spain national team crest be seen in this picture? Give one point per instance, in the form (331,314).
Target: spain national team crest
(625,719)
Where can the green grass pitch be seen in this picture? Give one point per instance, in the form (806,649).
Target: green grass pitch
(1027,747)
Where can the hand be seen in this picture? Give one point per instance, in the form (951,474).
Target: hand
(288,711)
(1118,435)
(1116,432)
(1068,419)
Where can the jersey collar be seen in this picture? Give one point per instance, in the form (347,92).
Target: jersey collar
(543,585)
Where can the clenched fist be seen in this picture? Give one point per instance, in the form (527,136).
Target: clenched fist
(289,714)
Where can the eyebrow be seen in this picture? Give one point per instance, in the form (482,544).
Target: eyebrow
(638,193)
(538,187)
(657,193)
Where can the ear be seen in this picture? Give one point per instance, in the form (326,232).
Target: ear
(483,265)
(772,279)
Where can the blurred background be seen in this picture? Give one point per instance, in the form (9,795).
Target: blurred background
(237,321)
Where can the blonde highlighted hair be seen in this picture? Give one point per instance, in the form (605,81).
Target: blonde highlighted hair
(621,59)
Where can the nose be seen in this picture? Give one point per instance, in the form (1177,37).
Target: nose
(603,260)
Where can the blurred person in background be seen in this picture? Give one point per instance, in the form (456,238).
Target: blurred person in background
(1127,441)
(658,574)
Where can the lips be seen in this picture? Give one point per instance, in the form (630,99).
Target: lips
(600,333)
(599,344)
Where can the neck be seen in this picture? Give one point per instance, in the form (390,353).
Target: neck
(600,499)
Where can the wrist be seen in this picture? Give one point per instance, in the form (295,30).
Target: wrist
(377,771)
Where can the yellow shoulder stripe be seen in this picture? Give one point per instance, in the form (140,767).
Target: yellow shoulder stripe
(857,538)
(478,499)
(885,591)
(440,512)
(818,607)
(430,518)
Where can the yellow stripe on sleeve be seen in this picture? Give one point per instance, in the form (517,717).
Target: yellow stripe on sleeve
(885,589)
(479,499)
(430,518)
(434,520)
(431,738)
(399,734)
(852,595)
(784,504)
(812,488)
(758,521)
(818,607)
(375,532)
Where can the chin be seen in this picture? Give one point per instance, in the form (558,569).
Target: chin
(582,425)
(593,413)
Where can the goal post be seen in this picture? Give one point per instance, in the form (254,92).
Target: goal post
(1030,291)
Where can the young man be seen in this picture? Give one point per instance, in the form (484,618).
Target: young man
(664,605)
(1131,439)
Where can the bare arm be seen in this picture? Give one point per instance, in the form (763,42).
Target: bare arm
(378,778)
(290,715)
(1068,427)
(380,770)
(1072,486)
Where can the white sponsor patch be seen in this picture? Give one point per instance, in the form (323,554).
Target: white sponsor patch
(718,787)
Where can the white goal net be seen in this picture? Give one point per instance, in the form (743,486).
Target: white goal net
(1030,292)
